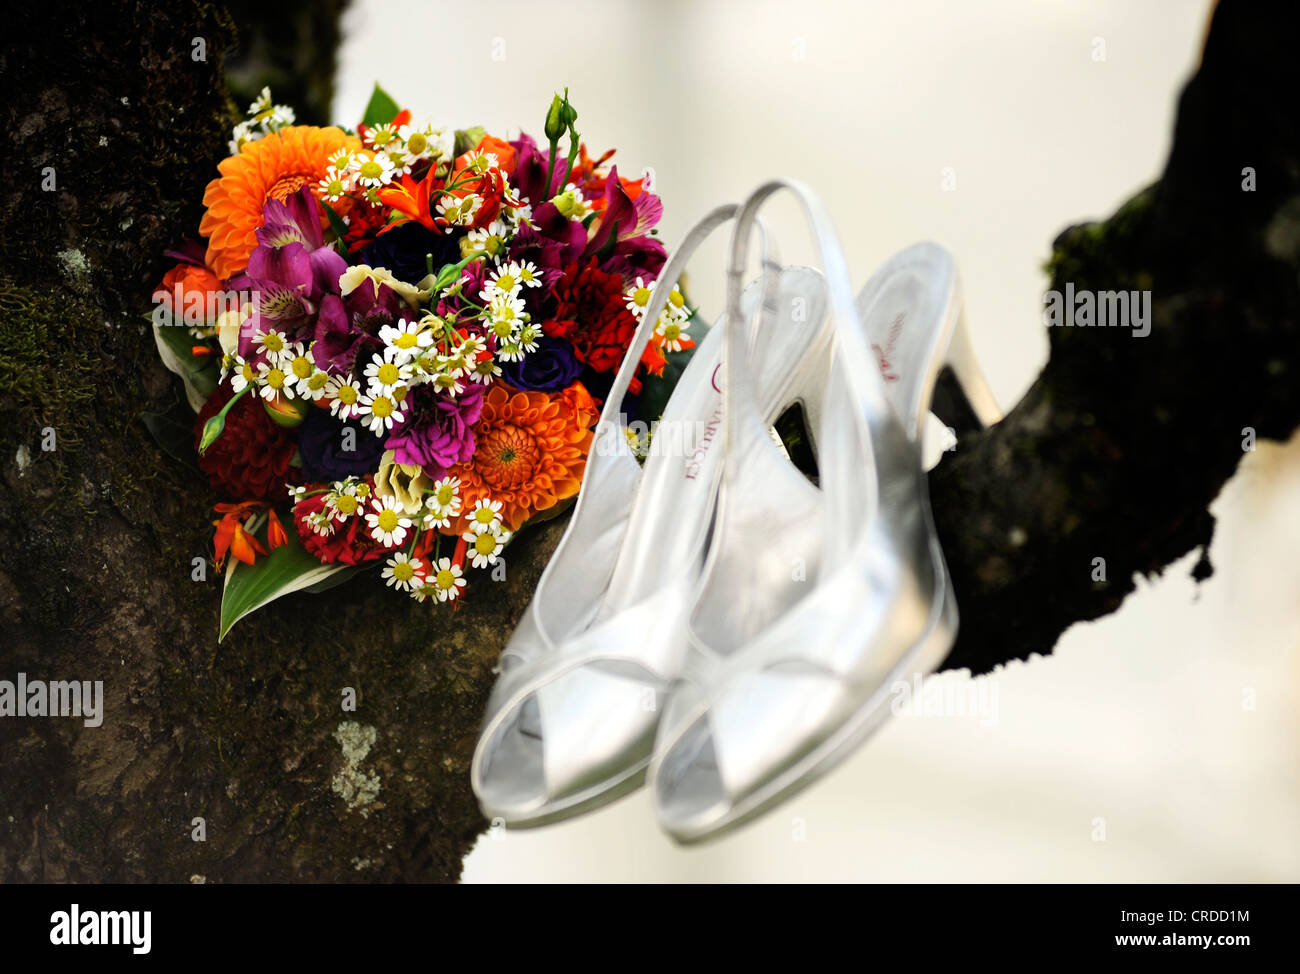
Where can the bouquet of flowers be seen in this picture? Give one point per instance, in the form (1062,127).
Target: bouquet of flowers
(397,338)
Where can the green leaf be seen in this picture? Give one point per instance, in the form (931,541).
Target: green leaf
(200,375)
(382,109)
(467,139)
(339,228)
(289,568)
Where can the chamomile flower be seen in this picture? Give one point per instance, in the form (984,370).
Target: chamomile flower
(342,160)
(379,412)
(484,370)
(528,336)
(404,572)
(374,170)
(296,492)
(506,313)
(446,580)
(485,546)
(335,184)
(490,240)
(638,297)
(342,502)
(299,364)
(443,503)
(459,211)
(527,272)
(406,338)
(448,382)
(503,281)
(486,516)
(242,373)
(479,162)
(515,216)
(386,524)
(320,522)
(672,333)
(313,387)
(273,343)
(388,371)
(381,136)
(274,380)
(344,395)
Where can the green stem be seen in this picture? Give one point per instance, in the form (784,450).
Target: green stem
(213,427)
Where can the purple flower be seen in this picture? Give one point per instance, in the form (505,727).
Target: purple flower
(322,442)
(439,430)
(552,366)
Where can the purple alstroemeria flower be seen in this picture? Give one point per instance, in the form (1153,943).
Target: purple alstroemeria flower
(348,327)
(439,429)
(291,251)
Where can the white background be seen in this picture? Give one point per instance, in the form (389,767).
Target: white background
(1137,719)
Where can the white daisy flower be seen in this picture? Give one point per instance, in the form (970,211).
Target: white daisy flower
(484,370)
(638,297)
(298,363)
(388,371)
(381,136)
(313,387)
(528,336)
(387,525)
(242,373)
(335,185)
(274,380)
(342,160)
(485,546)
(375,170)
(444,502)
(379,412)
(273,343)
(529,275)
(504,281)
(403,572)
(446,580)
(459,211)
(407,338)
(490,240)
(344,396)
(342,502)
(673,332)
(486,516)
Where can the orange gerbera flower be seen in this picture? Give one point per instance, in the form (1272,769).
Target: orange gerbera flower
(530,453)
(274,166)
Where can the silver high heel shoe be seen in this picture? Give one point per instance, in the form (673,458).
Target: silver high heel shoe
(814,600)
(571,720)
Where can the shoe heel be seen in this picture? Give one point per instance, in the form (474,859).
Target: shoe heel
(962,397)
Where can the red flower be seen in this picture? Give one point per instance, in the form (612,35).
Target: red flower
(250,459)
(592,316)
(350,542)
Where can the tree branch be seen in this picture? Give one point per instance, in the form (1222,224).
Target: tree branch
(1121,444)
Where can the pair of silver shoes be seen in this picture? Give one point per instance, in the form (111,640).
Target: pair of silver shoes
(712,623)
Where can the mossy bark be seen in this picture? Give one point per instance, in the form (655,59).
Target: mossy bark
(98,536)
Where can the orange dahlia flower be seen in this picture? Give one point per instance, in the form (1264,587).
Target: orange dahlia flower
(275,166)
(530,453)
